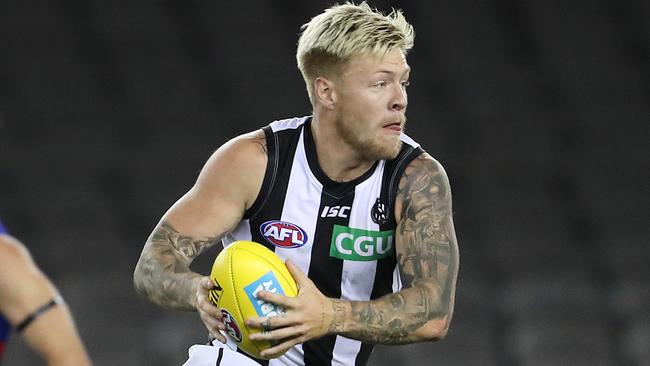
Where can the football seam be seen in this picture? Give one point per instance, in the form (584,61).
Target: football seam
(273,266)
(241,314)
(232,284)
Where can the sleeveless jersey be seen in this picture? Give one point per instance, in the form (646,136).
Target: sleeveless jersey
(5,328)
(340,234)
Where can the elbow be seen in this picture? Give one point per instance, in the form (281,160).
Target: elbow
(139,280)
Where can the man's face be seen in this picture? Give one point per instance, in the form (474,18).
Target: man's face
(371,104)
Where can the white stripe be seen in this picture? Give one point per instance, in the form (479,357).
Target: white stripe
(286,124)
(300,206)
(293,357)
(241,232)
(397,280)
(405,138)
(358,278)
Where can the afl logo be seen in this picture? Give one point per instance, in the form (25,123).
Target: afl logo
(283,234)
(231,326)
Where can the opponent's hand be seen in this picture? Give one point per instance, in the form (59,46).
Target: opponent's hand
(210,314)
(307,316)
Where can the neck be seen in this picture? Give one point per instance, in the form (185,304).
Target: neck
(338,160)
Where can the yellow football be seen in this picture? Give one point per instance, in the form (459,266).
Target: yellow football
(239,272)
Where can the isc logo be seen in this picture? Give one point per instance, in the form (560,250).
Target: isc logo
(268,283)
(335,211)
(283,234)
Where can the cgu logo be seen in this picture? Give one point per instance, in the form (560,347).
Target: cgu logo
(283,234)
(360,245)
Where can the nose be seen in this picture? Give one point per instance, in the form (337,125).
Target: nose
(400,99)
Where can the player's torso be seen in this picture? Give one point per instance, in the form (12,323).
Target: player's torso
(342,235)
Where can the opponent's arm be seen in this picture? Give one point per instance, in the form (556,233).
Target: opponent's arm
(23,290)
(226,187)
(427,256)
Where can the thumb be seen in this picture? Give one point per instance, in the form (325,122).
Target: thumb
(300,277)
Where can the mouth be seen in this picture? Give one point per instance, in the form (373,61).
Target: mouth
(397,126)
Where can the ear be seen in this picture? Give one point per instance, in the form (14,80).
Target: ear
(324,93)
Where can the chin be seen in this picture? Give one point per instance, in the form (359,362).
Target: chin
(387,151)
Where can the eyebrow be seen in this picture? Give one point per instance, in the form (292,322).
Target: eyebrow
(408,70)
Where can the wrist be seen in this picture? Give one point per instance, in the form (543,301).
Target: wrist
(339,314)
(195,285)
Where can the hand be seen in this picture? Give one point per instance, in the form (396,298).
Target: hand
(307,316)
(210,314)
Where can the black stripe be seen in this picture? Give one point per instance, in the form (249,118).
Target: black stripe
(364,354)
(269,175)
(281,158)
(220,357)
(326,271)
(260,361)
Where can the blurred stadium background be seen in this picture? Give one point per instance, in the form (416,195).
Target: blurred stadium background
(539,110)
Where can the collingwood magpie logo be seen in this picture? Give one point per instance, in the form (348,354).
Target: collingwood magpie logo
(379,214)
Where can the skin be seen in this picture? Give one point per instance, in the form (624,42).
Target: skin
(358,116)
(23,289)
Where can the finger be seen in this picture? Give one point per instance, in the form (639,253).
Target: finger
(214,326)
(300,277)
(284,301)
(208,307)
(270,322)
(207,283)
(276,334)
(219,336)
(279,349)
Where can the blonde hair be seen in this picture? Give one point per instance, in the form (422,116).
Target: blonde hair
(331,38)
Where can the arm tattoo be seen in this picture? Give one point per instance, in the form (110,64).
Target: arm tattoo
(163,272)
(427,260)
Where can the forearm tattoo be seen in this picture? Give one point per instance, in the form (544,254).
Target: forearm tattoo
(163,273)
(427,260)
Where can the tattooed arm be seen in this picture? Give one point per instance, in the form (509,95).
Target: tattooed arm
(226,187)
(427,256)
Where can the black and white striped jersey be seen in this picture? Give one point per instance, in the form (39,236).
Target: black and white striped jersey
(341,234)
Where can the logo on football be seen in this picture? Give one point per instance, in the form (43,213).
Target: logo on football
(283,234)
(268,283)
(231,325)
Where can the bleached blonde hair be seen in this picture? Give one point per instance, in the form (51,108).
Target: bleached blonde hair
(333,37)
